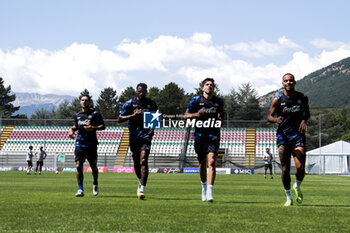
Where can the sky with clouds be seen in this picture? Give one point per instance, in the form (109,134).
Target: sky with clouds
(62,47)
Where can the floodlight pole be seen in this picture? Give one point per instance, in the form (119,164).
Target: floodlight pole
(320,144)
(319,132)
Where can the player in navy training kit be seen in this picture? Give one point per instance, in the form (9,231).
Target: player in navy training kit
(292,110)
(206,107)
(140,139)
(86,123)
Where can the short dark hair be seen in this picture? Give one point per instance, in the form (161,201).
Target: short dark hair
(89,97)
(206,80)
(288,74)
(30,147)
(143,85)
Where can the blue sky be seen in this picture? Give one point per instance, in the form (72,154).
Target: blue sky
(62,47)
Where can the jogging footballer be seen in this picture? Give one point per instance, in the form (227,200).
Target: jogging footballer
(86,122)
(292,112)
(206,140)
(140,139)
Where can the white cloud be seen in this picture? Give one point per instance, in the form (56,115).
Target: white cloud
(322,43)
(263,78)
(67,71)
(185,60)
(263,48)
(167,51)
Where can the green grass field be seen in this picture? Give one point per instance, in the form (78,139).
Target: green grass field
(242,203)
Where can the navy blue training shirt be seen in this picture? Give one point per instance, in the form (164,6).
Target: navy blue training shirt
(293,110)
(136,123)
(212,107)
(84,138)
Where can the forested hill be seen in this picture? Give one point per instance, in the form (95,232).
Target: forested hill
(328,87)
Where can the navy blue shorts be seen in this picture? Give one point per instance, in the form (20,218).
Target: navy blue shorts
(268,166)
(41,163)
(203,147)
(30,163)
(137,145)
(294,139)
(83,153)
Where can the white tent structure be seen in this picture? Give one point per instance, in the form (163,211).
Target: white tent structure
(330,159)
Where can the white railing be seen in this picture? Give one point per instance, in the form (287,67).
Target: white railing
(328,163)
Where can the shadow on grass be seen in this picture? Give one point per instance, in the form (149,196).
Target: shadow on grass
(248,202)
(325,206)
(228,202)
(173,199)
(199,200)
(151,198)
(117,196)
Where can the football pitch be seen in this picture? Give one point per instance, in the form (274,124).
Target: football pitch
(242,203)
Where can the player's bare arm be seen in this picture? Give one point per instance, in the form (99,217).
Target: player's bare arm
(90,128)
(272,111)
(71,132)
(198,114)
(125,118)
(220,117)
(303,124)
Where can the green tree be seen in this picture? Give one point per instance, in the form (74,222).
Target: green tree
(127,94)
(64,111)
(6,107)
(74,106)
(185,102)
(328,125)
(342,120)
(43,113)
(153,94)
(107,103)
(170,99)
(231,104)
(248,103)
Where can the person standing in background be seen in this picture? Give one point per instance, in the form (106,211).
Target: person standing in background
(40,156)
(268,162)
(30,159)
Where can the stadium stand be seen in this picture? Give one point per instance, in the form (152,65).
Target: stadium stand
(167,148)
(168,141)
(123,149)
(5,133)
(250,148)
(265,138)
(232,139)
(55,139)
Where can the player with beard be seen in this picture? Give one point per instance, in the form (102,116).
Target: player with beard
(206,140)
(140,139)
(292,112)
(86,123)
